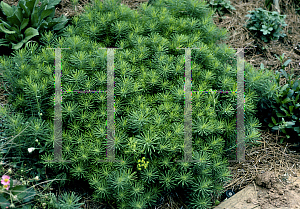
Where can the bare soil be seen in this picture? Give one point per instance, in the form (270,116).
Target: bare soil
(265,193)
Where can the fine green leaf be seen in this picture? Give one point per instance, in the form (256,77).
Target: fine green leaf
(287,62)
(286,100)
(274,121)
(291,109)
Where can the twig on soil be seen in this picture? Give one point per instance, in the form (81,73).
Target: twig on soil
(269,156)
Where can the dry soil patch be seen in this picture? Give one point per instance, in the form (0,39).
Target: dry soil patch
(266,192)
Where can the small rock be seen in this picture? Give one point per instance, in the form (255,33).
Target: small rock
(249,200)
(291,188)
(280,192)
(266,179)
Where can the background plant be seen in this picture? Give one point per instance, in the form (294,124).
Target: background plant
(221,6)
(282,112)
(21,23)
(269,3)
(266,25)
(297,4)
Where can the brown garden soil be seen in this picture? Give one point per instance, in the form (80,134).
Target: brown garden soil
(270,166)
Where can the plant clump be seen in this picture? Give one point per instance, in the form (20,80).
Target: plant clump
(149,73)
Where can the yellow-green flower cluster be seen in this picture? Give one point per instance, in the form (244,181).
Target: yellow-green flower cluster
(143,164)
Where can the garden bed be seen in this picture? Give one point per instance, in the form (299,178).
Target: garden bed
(281,160)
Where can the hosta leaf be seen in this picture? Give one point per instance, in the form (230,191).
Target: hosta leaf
(46,13)
(24,23)
(31,4)
(5,24)
(7,10)
(17,46)
(53,3)
(3,42)
(29,33)
(4,30)
(19,14)
(35,18)
(22,4)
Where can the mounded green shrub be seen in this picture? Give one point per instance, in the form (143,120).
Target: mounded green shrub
(149,101)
